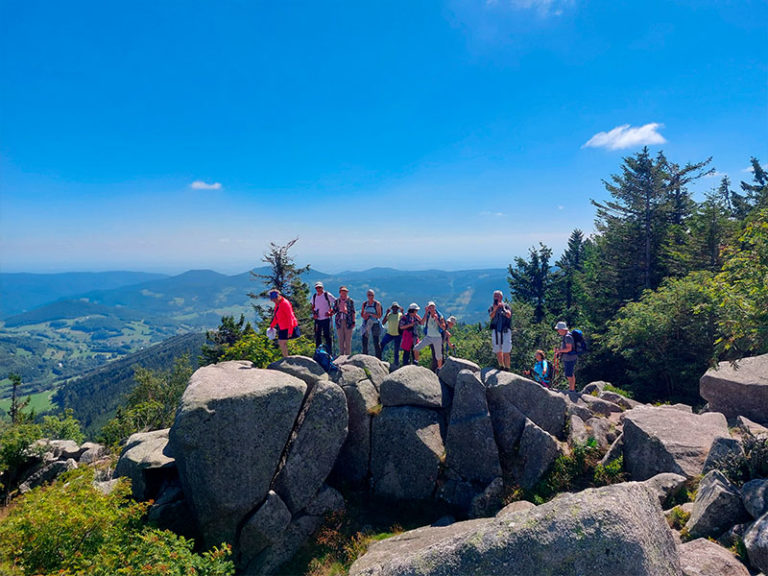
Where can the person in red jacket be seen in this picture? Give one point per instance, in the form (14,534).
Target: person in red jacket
(283,319)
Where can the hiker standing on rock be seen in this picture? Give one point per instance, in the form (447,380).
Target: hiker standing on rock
(344,311)
(434,324)
(392,322)
(284,320)
(567,354)
(322,310)
(371,313)
(501,329)
(408,325)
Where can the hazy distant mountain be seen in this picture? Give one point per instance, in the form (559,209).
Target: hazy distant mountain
(22,292)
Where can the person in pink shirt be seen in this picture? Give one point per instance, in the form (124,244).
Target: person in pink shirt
(283,319)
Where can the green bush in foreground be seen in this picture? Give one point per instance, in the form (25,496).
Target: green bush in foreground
(70,528)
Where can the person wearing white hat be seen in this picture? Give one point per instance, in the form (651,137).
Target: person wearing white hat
(566,354)
(408,324)
(434,324)
(371,312)
(322,310)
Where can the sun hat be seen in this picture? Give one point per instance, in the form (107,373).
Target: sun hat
(451,319)
(395,305)
(561,326)
(319,285)
(413,306)
(430,303)
(343,289)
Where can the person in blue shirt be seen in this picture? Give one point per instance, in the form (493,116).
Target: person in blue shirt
(542,369)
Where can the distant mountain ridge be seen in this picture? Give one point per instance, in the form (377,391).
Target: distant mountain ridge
(198,298)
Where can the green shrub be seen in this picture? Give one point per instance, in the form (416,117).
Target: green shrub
(611,473)
(619,391)
(678,518)
(70,528)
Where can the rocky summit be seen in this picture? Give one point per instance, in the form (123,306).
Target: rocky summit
(257,458)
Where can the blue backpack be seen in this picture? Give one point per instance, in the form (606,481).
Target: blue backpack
(579,342)
(325,360)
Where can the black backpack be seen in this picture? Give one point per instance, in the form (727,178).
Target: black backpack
(579,342)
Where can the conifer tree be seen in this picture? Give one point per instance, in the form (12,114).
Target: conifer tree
(530,280)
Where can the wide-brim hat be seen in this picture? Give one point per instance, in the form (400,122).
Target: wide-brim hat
(561,326)
(430,303)
(395,305)
(343,289)
(319,285)
(414,306)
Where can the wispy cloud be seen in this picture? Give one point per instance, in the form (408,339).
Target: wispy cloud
(200,185)
(626,136)
(543,7)
(489,213)
(715,174)
(751,169)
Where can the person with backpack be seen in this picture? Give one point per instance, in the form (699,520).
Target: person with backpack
(344,318)
(322,310)
(392,334)
(371,314)
(542,369)
(284,320)
(434,324)
(408,326)
(501,329)
(567,354)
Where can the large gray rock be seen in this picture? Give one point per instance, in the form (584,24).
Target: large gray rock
(349,375)
(701,557)
(538,450)
(451,368)
(663,439)
(412,386)
(228,437)
(65,449)
(716,508)
(144,457)
(352,465)
(724,452)
(314,446)
(754,495)
(406,452)
(750,427)
(603,431)
(508,424)
(91,452)
(471,450)
(599,406)
(171,511)
(48,473)
(739,389)
(301,367)
(608,531)
(756,542)
(577,431)
(666,485)
(264,528)
(376,370)
(547,409)
(619,400)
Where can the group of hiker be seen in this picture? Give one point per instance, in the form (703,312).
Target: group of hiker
(402,327)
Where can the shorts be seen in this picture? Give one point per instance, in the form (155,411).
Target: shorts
(569,367)
(435,341)
(502,342)
(282,334)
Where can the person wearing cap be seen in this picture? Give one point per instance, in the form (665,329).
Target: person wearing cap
(501,326)
(371,314)
(566,354)
(344,313)
(322,310)
(392,334)
(283,319)
(450,322)
(408,324)
(434,324)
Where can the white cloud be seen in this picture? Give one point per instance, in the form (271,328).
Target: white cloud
(626,136)
(752,168)
(715,174)
(200,185)
(488,213)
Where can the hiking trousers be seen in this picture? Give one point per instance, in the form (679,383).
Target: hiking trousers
(396,339)
(344,335)
(323,330)
(375,333)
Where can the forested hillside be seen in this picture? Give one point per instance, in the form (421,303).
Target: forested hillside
(95,395)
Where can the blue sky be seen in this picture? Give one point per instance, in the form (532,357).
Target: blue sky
(165,136)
